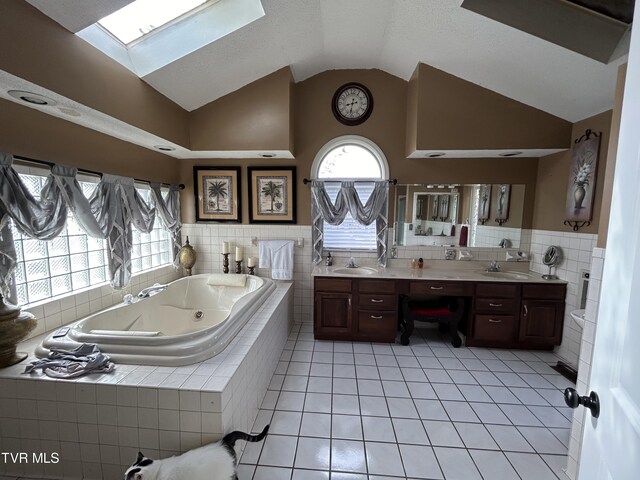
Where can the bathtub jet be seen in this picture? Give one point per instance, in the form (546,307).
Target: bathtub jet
(189,321)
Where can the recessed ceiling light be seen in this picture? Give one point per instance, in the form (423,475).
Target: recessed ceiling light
(267,155)
(510,154)
(435,154)
(164,148)
(30,97)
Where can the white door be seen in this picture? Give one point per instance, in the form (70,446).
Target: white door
(611,444)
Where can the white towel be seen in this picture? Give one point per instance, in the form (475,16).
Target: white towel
(278,256)
(227,280)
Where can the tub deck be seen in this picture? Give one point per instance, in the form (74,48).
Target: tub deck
(98,423)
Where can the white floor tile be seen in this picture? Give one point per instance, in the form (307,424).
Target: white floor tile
(442,434)
(520,415)
(313,453)
(378,429)
(384,459)
(348,456)
(493,465)
(509,439)
(530,466)
(542,440)
(475,435)
(370,387)
(374,406)
(456,464)
(299,474)
(410,431)
(345,404)
(317,402)
(285,423)
(346,427)
(316,425)
(278,451)
(402,408)
(272,473)
(420,462)
(290,401)
(460,412)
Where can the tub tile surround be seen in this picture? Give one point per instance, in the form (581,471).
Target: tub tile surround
(54,312)
(97,423)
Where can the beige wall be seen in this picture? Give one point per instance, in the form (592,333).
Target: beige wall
(553,178)
(315,125)
(256,117)
(454,114)
(607,189)
(30,133)
(39,50)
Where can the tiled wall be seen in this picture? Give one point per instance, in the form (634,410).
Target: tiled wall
(52,313)
(207,240)
(586,354)
(577,249)
(491,235)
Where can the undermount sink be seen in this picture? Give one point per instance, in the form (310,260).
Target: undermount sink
(355,271)
(507,275)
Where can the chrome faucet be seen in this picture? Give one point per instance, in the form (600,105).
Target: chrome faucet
(352,263)
(129,299)
(147,292)
(494,266)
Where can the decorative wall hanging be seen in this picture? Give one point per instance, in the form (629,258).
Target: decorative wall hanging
(503,192)
(272,194)
(582,180)
(484,204)
(217,194)
(444,207)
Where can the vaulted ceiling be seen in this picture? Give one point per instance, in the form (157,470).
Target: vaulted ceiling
(392,35)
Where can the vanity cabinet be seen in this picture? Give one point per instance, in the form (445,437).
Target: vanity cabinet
(513,315)
(499,315)
(355,309)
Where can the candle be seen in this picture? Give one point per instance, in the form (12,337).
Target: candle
(251,262)
(238,254)
(225,247)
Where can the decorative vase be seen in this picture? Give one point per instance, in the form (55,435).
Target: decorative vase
(187,257)
(578,196)
(14,327)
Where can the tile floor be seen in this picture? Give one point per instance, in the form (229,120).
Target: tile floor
(361,411)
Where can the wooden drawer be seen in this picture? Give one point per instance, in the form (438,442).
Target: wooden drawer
(499,328)
(496,305)
(497,290)
(326,284)
(376,286)
(430,287)
(537,290)
(374,324)
(372,300)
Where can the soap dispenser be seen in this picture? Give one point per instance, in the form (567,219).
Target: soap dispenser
(329,260)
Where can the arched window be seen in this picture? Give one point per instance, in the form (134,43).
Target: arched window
(350,157)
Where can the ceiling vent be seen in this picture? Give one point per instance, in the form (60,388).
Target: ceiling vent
(583,26)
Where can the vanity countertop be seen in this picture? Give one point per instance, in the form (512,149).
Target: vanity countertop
(475,273)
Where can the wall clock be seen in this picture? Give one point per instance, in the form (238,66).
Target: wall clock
(352,104)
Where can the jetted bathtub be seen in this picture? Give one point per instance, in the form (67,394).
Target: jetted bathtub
(188,322)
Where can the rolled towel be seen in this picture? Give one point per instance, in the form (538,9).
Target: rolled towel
(226,280)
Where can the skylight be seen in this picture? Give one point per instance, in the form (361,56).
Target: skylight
(144,16)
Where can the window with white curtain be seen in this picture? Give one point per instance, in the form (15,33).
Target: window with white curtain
(74,260)
(350,158)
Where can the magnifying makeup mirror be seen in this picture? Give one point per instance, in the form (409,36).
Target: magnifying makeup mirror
(552,258)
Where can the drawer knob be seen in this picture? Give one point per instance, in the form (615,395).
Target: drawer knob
(495,304)
(376,317)
(436,288)
(377,300)
(491,320)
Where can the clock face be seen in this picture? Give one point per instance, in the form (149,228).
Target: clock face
(352,104)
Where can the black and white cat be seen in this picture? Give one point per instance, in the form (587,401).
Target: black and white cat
(216,461)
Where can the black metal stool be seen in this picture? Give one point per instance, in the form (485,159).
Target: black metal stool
(446,311)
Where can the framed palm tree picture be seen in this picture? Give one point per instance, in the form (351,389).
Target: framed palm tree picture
(217,193)
(272,194)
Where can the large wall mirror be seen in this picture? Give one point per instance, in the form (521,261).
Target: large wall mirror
(473,215)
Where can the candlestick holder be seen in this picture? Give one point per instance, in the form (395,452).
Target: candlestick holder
(251,270)
(238,266)
(225,262)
